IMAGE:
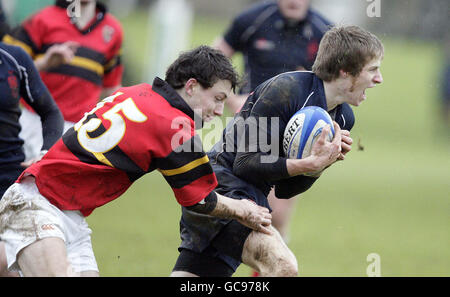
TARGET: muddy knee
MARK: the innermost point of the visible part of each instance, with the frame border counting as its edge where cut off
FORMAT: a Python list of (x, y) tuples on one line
[(280, 267), (286, 267), (269, 255)]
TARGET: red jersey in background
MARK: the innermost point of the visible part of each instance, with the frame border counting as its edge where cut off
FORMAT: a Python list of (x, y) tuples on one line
[(76, 86)]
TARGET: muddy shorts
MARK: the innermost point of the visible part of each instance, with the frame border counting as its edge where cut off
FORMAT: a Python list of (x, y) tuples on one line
[(26, 217)]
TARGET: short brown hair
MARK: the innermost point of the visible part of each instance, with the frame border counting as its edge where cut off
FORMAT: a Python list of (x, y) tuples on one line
[(347, 48), (205, 64)]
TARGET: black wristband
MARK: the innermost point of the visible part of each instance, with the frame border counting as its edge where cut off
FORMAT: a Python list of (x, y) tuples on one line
[(207, 205)]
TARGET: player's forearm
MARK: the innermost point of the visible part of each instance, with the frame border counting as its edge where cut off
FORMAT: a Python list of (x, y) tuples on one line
[(301, 166), (52, 128), (257, 167), (218, 206), (227, 208), (245, 211), (293, 186)]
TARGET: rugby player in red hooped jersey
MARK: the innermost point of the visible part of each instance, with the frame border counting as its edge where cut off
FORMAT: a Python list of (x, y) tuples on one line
[(132, 132), (76, 46)]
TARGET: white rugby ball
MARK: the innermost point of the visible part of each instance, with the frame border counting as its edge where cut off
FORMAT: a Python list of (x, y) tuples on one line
[(302, 131)]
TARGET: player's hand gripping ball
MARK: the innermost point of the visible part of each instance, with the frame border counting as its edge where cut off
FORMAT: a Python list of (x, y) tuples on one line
[(303, 130)]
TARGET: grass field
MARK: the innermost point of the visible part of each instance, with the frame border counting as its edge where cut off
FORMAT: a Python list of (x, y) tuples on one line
[(392, 198)]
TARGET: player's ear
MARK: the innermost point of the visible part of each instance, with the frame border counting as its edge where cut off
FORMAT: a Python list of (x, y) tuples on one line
[(343, 73), (190, 86)]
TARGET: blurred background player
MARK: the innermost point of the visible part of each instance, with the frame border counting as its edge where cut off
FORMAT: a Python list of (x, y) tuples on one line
[(132, 132), (77, 52), (247, 166), (20, 79), (274, 37), (445, 84), (446, 94)]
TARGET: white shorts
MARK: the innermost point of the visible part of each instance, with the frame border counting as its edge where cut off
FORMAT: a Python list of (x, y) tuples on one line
[(26, 216), (31, 133)]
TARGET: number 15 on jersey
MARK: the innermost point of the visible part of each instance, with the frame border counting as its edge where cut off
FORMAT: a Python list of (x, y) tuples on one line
[(113, 135)]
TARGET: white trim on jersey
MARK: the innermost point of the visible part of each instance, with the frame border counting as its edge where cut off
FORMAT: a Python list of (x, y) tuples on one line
[(306, 101), (343, 119)]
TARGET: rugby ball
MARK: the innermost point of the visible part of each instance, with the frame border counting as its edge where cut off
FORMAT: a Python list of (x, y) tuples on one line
[(302, 131)]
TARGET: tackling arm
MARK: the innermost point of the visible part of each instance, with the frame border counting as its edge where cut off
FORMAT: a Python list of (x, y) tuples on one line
[(245, 211)]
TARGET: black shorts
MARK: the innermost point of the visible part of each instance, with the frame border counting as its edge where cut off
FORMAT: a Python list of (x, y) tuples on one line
[(220, 238), (202, 264), (221, 258)]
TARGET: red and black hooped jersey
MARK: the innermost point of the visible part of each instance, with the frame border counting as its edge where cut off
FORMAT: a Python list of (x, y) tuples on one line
[(75, 86), (134, 131)]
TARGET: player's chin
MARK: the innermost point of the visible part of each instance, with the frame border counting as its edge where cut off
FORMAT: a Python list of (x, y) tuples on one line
[(361, 98), (356, 101)]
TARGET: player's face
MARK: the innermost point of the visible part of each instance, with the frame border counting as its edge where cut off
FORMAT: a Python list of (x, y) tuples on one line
[(211, 101), (294, 9), (369, 77)]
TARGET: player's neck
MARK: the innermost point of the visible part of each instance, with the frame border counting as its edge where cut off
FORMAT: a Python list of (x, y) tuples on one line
[(334, 93), (87, 13)]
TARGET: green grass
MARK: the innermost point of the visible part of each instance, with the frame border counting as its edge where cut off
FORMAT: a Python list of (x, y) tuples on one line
[(392, 198)]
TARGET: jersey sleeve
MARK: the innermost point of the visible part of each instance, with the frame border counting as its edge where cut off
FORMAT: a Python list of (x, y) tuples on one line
[(186, 168), (36, 94), (261, 155), (291, 187)]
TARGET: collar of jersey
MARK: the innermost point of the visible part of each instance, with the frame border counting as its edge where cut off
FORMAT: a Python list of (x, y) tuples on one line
[(170, 95)]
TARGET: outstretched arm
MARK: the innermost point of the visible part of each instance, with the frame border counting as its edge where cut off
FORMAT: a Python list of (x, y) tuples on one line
[(245, 211)]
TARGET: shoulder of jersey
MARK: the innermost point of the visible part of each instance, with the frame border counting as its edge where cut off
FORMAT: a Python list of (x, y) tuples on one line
[(157, 105)]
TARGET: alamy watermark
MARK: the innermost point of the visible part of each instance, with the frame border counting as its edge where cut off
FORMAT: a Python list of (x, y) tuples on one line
[(240, 134), (74, 9), (374, 268), (373, 9)]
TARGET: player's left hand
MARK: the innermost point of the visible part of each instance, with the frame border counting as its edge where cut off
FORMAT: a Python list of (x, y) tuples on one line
[(254, 216), (346, 144)]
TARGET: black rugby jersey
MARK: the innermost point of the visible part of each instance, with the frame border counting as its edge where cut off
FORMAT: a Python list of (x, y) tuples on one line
[(249, 159), (252, 144)]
